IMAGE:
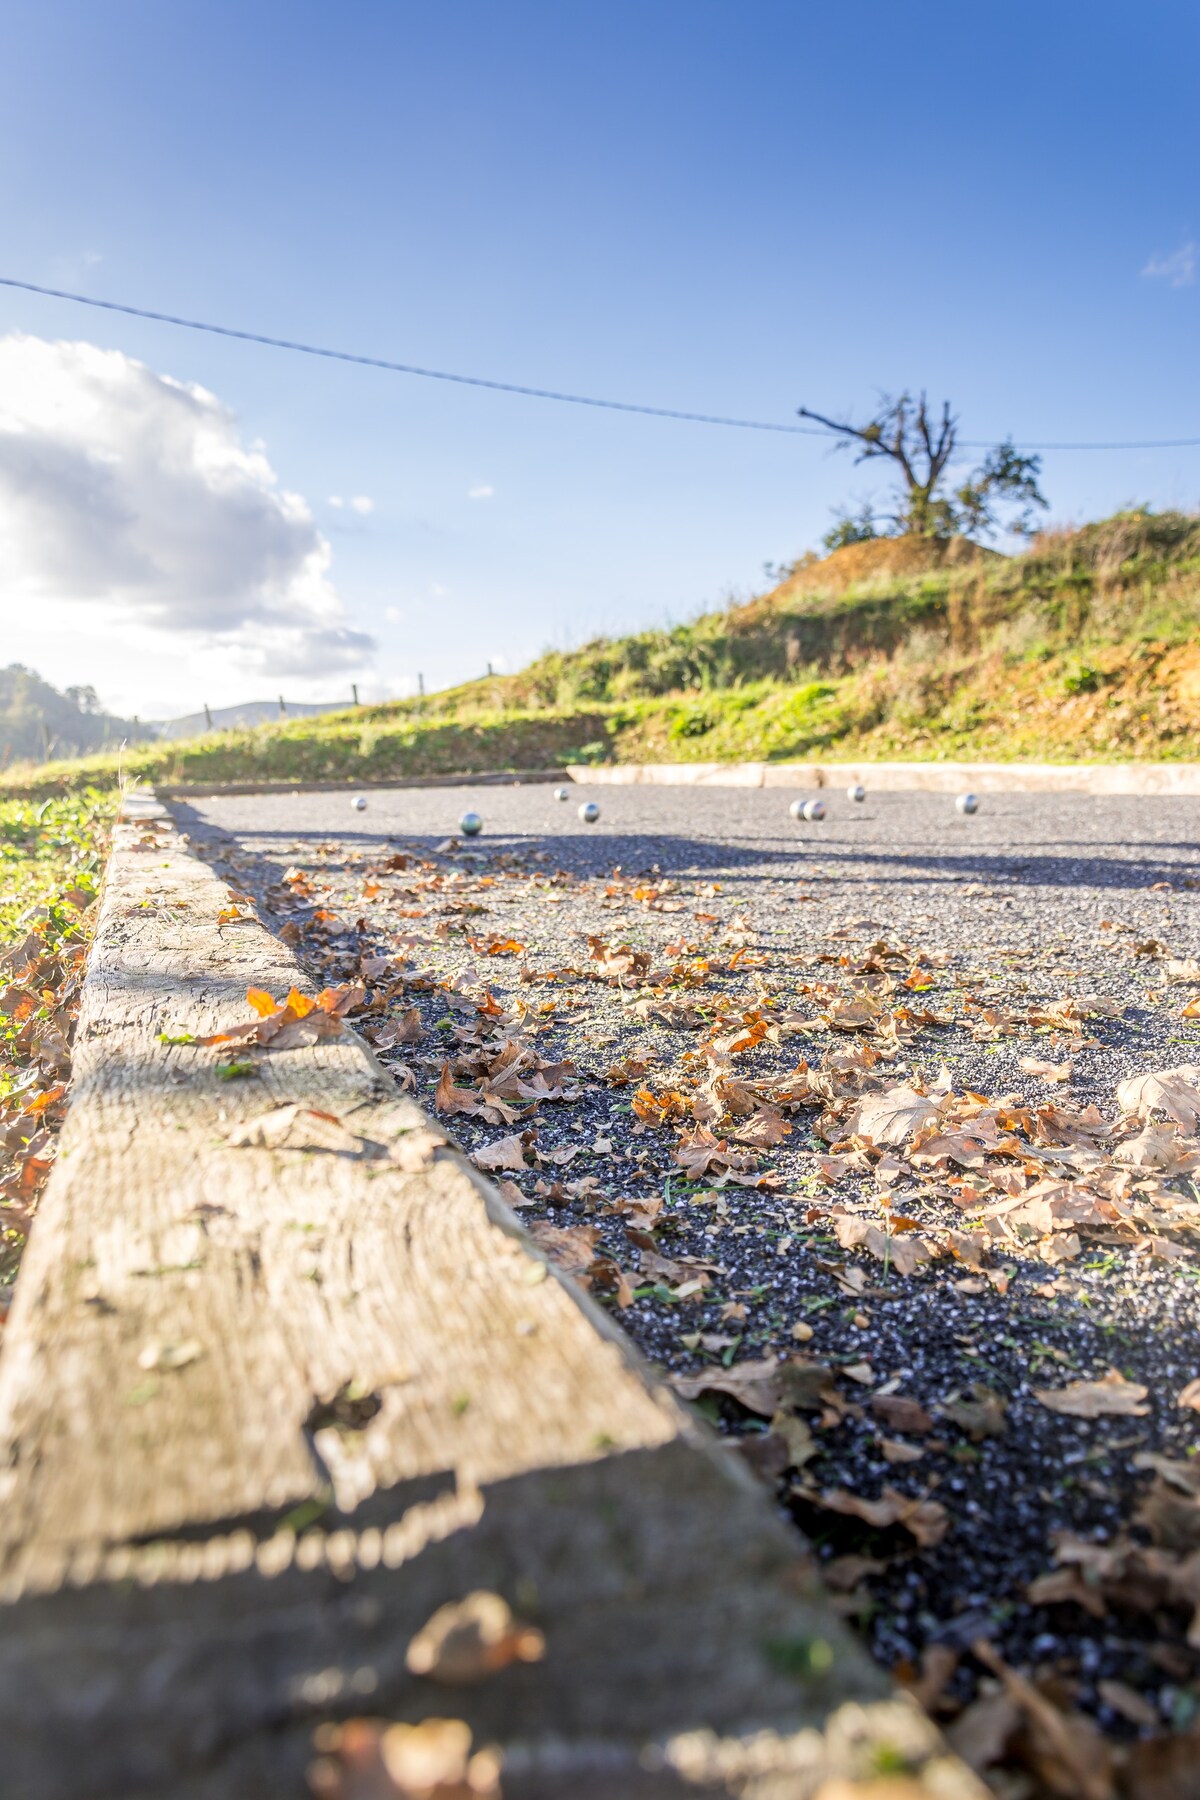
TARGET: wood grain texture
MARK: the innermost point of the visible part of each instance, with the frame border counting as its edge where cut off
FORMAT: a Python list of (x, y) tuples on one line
[(263, 1410)]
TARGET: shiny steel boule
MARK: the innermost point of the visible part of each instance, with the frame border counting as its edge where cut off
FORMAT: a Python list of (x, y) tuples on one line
[(589, 812), (966, 803), (358, 803), (856, 791), (814, 811), (796, 809), (562, 793), (470, 824)]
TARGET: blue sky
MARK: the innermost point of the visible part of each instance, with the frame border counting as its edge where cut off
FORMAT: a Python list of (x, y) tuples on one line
[(692, 203)]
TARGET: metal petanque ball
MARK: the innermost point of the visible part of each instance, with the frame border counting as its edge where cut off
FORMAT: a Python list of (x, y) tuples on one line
[(814, 811), (856, 792), (358, 803), (966, 803), (796, 809), (470, 824), (589, 812), (562, 793)]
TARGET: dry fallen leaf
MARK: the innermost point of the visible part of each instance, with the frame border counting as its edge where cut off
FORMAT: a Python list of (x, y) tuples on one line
[(1066, 1587), (698, 1153), (901, 1414), (763, 1129), (407, 1029), (981, 1733), (573, 1247), (469, 1639), (891, 1118), (939, 1663), (1112, 1396), (367, 1759), (294, 1023), (1163, 1767), (1190, 1395), (512, 1193), (449, 1098), (983, 1415), (1065, 1750), (764, 1387), (506, 1153), (798, 1440), (1157, 1147), (1175, 1092), (1129, 1704), (926, 1520), (903, 1252), (896, 1452), (1045, 1071)]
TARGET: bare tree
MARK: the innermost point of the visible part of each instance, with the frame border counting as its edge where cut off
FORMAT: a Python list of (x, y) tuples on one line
[(921, 446)]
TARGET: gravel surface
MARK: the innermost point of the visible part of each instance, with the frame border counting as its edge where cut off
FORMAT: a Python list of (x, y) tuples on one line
[(986, 919)]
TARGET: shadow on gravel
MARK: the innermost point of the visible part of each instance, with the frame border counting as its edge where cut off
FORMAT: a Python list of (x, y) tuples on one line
[(751, 860)]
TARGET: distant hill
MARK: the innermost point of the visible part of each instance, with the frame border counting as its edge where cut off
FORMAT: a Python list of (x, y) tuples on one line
[(250, 712), (1085, 646), (37, 722)]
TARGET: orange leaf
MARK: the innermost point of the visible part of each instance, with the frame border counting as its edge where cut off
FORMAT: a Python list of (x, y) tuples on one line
[(261, 1001), (42, 1101), (300, 1004), (34, 1170), (339, 1000)]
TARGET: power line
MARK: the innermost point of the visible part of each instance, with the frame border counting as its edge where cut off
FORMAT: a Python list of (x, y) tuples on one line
[(399, 368), (513, 387)]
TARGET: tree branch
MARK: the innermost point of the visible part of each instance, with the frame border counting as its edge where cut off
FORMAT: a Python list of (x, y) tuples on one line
[(869, 436)]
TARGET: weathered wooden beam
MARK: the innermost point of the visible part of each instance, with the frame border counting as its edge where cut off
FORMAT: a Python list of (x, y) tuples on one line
[(265, 1407)]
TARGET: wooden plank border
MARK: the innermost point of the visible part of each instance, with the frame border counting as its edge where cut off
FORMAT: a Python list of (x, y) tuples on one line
[(266, 1405)]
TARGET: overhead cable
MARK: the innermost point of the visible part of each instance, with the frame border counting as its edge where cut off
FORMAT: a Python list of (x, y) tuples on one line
[(513, 387)]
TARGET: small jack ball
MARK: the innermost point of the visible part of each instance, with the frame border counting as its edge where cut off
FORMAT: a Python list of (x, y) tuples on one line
[(358, 803), (815, 811), (856, 792), (589, 812), (470, 824), (966, 803), (796, 809), (562, 793)]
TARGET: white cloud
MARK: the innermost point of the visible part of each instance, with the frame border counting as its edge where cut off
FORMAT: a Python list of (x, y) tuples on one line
[(480, 493), (131, 495), (362, 503), (394, 615), (1179, 269), (336, 500)]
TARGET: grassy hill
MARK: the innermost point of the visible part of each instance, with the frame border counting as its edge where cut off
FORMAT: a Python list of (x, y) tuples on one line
[(1086, 646)]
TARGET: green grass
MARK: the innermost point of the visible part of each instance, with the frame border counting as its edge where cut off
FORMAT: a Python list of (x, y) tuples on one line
[(1087, 646), (47, 848), (51, 857)]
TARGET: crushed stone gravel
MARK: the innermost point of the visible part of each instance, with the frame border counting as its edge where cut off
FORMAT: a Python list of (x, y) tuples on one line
[(1030, 900)]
